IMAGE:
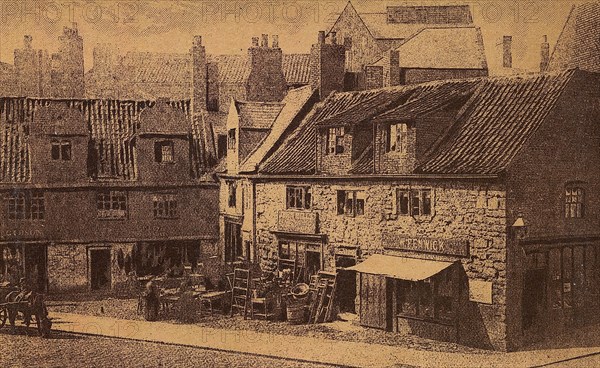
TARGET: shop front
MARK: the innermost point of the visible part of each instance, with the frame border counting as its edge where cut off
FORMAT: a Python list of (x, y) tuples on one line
[(561, 288), (24, 260), (409, 295)]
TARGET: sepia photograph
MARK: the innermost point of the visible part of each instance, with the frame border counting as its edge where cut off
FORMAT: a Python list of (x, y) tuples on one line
[(300, 183)]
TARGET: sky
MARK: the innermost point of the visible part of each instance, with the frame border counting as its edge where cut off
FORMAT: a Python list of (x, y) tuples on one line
[(228, 26)]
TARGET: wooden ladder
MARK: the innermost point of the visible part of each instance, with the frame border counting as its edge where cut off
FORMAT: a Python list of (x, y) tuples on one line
[(240, 292), (322, 304)]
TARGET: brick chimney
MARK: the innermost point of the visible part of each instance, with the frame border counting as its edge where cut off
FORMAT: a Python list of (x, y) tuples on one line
[(199, 77), (394, 68), (545, 54), (266, 81), (327, 65), (507, 51)]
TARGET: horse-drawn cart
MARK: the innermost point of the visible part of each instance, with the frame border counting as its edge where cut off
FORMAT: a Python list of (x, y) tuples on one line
[(27, 303)]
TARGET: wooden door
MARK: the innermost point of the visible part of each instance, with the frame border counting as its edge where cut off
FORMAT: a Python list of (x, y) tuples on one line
[(373, 301)]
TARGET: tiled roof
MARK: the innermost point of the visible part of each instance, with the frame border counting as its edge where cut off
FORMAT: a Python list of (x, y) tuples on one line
[(296, 68), (257, 115), (151, 67), (295, 102), (579, 43), (381, 29), (232, 68), (497, 116), (444, 48), (497, 121), (112, 125)]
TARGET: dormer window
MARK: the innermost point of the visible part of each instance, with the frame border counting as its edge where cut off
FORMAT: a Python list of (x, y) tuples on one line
[(397, 138), (61, 150), (231, 139), (335, 140), (164, 151)]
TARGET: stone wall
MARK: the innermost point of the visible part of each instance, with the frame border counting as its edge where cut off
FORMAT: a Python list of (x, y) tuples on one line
[(469, 211), (67, 268)]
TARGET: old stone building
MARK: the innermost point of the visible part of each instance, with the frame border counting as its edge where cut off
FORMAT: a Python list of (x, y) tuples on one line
[(462, 206), (92, 190), (409, 44)]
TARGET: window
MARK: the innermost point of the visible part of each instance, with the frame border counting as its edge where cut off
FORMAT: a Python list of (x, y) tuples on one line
[(397, 138), (165, 206), (574, 200), (335, 140), (26, 205), (351, 202), (233, 241), (231, 193), (231, 139), (415, 202), (164, 151), (221, 146), (111, 204), (61, 150), (298, 197)]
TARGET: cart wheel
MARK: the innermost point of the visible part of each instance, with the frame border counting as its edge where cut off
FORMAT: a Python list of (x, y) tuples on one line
[(3, 317)]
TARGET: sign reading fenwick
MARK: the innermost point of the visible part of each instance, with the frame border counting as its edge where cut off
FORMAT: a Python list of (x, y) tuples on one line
[(451, 247)]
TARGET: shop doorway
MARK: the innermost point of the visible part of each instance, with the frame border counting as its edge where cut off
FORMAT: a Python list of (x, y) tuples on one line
[(534, 296), (313, 263), (99, 268), (35, 266)]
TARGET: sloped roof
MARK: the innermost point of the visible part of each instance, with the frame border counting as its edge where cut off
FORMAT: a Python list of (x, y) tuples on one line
[(296, 68), (579, 43), (152, 67), (257, 115), (294, 103), (500, 117), (112, 125), (443, 48)]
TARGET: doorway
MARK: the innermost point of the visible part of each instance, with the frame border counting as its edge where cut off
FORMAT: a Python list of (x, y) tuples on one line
[(99, 268), (313, 263), (35, 266), (534, 296)]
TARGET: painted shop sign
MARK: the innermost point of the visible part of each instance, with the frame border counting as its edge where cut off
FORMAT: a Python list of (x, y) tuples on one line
[(480, 291), (20, 234), (297, 222), (452, 247)]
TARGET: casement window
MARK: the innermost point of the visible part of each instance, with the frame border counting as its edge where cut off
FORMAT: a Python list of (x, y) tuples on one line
[(164, 151), (351, 202), (231, 139), (335, 140), (231, 193), (298, 197), (61, 150), (397, 138), (574, 201), (26, 205), (233, 241), (111, 204), (165, 206), (413, 202)]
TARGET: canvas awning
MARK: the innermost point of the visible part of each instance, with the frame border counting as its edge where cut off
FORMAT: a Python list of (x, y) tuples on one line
[(403, 268)]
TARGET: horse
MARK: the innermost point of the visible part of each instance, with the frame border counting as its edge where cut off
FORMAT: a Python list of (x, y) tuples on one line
[(29, 304)]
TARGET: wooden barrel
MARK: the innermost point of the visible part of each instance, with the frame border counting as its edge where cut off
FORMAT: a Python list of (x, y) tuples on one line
[(296, 312)]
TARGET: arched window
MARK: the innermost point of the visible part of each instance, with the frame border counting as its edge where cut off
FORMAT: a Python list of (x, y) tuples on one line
[(574, 201)]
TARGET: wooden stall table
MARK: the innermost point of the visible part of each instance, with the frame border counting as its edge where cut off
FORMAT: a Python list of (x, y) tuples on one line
[(209, 298)]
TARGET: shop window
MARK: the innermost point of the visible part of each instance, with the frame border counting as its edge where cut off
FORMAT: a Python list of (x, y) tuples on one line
[(61, 150), (574, 201), (233, 241), (413, 202), (231, 193), (298, 197), (431, 299), (26, 205), (335, 140), (111, 204), (397, 138), (164, 151), (231, 139), (165, 206), (351, 202)]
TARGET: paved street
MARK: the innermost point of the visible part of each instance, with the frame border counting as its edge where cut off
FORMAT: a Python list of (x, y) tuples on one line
[(70, 350)]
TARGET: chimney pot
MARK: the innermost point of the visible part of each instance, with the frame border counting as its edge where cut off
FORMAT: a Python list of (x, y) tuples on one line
[(507, 51), (197, 40), (265, 40), (333, 37), (254, 41), (27, 39), (545, 54), (545, 38), (321, 38), (275, 41)]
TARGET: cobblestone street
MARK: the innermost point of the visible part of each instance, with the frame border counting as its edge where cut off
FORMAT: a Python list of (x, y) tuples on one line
[(69, 350)]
